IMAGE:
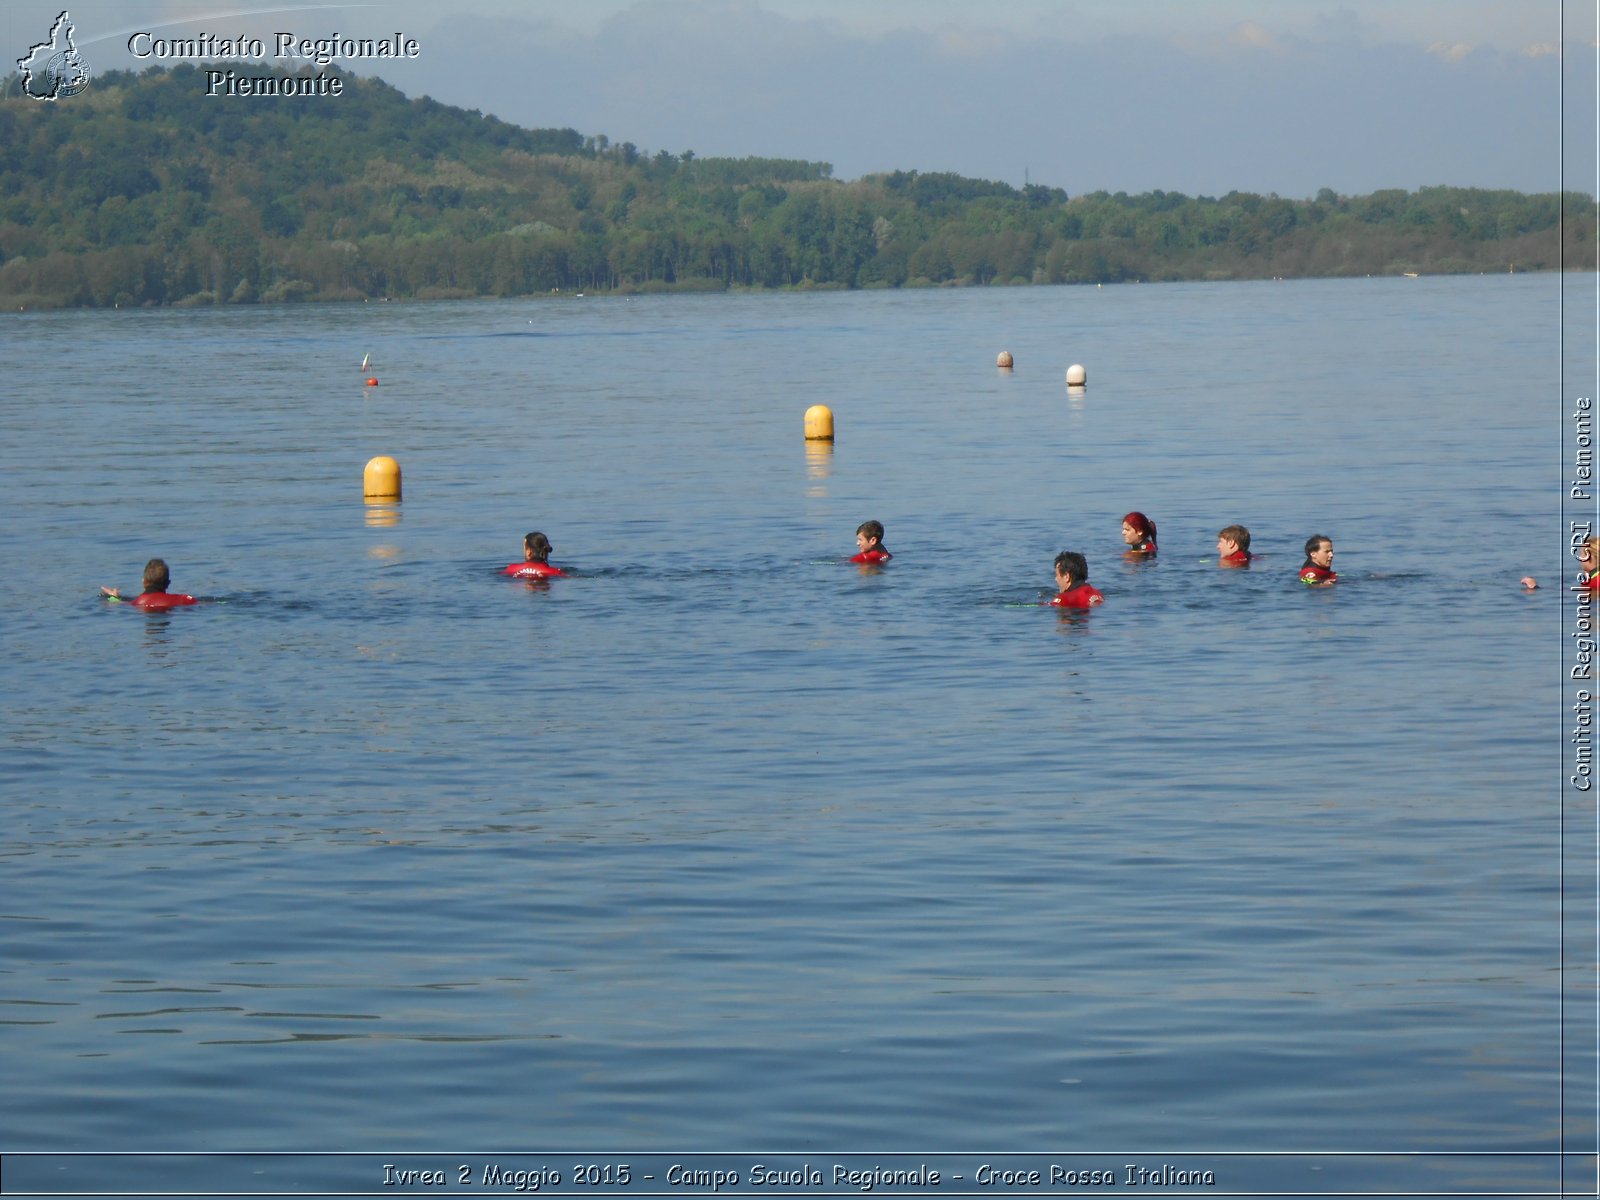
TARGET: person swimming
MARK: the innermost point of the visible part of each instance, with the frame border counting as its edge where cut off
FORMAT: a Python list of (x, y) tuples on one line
[(1233, 546), (869, 544), (535, 562), (1139, 532), (1317, 570), (1072, 578), (155, 597), (1587, 552)]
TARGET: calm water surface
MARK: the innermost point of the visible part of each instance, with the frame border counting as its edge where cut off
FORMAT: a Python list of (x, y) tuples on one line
[(725, 844)]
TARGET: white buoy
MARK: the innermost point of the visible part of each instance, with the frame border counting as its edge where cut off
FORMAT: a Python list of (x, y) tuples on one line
[(1076, 377), (366, 361)]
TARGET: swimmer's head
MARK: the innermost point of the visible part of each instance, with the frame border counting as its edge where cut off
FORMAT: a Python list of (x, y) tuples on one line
[(1071, 569), (156, 575), (1136, 528), (536, 547), (869, 534), (1319, 551), (1237, 534)]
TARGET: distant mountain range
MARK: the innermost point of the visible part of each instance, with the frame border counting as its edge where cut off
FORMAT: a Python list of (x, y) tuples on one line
[(142, 189)]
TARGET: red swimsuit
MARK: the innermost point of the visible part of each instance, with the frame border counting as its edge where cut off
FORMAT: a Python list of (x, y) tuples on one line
[(1082, 596), (157, 601)]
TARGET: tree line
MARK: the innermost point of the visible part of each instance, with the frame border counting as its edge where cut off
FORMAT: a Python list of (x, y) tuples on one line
[(140, 190)]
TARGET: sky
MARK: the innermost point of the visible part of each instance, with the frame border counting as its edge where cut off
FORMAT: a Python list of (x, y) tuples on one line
[(1201, 97)]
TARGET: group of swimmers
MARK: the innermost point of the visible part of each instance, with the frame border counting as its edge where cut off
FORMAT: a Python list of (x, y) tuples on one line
[(1071, 568), (1139, 535)]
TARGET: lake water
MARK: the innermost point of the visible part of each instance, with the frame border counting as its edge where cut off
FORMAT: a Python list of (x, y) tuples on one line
[(723, 845)]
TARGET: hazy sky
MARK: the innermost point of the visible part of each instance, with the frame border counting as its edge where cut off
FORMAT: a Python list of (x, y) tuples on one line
[(1195, 96)]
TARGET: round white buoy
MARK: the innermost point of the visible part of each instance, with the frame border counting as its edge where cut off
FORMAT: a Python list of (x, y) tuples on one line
[(1076, 376), (1003, 360)]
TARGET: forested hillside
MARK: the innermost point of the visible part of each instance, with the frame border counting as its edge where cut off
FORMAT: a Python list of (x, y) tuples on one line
[(142, 190)]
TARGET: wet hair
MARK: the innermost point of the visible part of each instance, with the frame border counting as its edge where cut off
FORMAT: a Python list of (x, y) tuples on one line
[(1237, 534), (873, 529), (1142, 525), (156, 576), (1074, 566), (537, 546), (1312, 543)]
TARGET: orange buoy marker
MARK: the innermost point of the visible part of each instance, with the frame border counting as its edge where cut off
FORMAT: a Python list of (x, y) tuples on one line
[(1076, 376), (381, 479), (819, 423), (1003, 360), (372, 381)]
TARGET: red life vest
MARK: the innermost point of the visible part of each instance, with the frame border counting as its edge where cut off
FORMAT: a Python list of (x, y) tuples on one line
[(1311, 573), (533, 570), (157, 601), (1148, 546), (872, 556), (1237, 558), (1082, 596)]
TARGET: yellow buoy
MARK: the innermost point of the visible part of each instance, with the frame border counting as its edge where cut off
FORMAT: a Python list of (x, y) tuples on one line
[(819, 423), (1076, 377), (381, 479), (1003, 359)]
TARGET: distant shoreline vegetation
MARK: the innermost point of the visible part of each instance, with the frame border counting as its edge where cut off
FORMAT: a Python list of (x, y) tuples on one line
[(143, 190)]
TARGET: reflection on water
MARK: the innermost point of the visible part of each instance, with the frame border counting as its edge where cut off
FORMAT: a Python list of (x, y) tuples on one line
[(381, 514)]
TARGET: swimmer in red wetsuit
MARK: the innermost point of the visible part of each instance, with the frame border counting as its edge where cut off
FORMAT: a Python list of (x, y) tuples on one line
[(1233, 546), (1588, 556), (1139, 532), (869, 544), (535, 562), (155, 596), (1317, 570), (1587, 552), (1072, 577)]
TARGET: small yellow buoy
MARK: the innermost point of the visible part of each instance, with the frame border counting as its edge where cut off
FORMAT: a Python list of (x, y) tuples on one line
[(1076, 377), (1003, 360), (381, 479), (819, 423)]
